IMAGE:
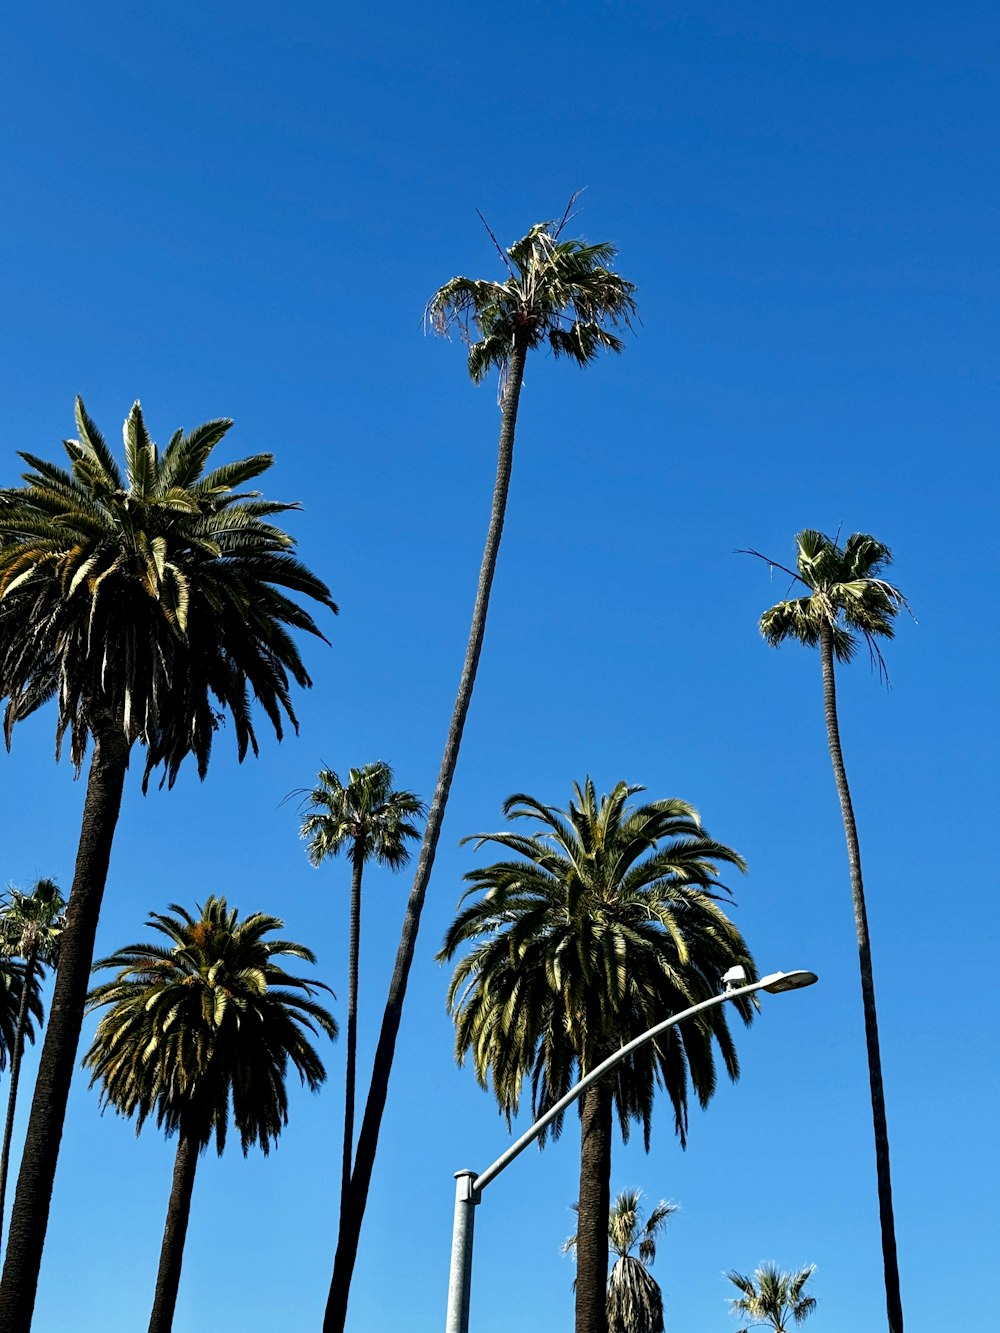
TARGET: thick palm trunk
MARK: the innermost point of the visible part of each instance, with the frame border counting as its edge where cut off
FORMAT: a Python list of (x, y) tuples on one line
[(894, 1307), (15, 1077), (353, 1206), (30, 1215), (168, 1276), (594, 1209), (357, 869)]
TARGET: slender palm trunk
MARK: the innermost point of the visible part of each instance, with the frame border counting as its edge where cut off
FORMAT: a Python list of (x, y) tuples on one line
[(594, 1209), (168, 1275), (353, 1208), (893, 1302), (33, 1196), (15, 1077), (357, 869)]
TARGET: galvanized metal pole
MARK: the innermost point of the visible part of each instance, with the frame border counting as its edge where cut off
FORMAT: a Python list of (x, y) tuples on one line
[(460, 1277)]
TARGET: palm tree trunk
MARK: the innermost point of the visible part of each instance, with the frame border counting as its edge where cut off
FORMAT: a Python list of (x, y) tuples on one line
[(33, 1196), (15, 1076), (357, 869), (594, 1210), (894, 1307), (168, 1276), (352, 1210)]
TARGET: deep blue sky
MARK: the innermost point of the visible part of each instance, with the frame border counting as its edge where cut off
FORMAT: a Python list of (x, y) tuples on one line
[(240, 210)]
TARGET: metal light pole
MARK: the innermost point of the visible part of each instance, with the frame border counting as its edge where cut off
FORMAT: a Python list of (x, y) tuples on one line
[(469, 1186)]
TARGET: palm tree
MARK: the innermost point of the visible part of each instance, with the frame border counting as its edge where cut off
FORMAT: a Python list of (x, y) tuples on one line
[(600, 923), (772, 1299), (847, 597), (556, 292), (634, 1299), (196, 1032), (147, 605), (367, 820), (31, 925)]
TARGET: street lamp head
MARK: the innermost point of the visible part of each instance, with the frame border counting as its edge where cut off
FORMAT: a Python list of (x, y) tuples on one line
[(782, 981)]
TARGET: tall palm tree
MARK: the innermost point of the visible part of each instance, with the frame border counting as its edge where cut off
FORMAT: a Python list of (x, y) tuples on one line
[(147, 604), (31, 925), (200, 1031), (772, 1299), (634, 1298), (368, 821), (601, 922), (555, 292), (847, 597)]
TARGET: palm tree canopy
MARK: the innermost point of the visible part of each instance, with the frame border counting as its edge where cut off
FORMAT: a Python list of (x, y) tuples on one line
[(635, 1302), (206, 1024), (12, 973), (559, 292), (139, 598), (32, 923), (772, 1298), (846, 593), (601, 923), (363, 813)]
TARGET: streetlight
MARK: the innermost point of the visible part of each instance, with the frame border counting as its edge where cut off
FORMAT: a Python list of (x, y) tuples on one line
[(469, 1186)]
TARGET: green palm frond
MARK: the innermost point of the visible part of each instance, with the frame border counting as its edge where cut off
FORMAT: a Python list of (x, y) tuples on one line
[(155, 602), (203, 1029), (600, 922), (846, 596), (559, 292), (772, 1299)]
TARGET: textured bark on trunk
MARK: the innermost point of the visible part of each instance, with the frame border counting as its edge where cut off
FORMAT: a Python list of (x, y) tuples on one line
[(357, 870), (168, 1275), (893, 1301), (353, 1207), (33, 1196), (15, 1078), (594, 1209)]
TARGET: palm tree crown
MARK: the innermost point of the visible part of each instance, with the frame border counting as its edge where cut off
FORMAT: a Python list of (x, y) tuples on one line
[(364, 817), (772, 1299), (139, 598), (635, 1302), (846, 593), (206, 1024), (559, 292), (601, 923), (31, 924)]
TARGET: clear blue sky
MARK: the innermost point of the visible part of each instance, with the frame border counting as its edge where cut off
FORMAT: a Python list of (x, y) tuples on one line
[(240, 210)]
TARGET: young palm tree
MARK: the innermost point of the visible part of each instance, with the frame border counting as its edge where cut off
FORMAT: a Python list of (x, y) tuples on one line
[(600, 923), (146, 604), (368, 821), (196, 1032), (31, 925), (634, 1299), (556, 292), (847, 597), (772, 1299)]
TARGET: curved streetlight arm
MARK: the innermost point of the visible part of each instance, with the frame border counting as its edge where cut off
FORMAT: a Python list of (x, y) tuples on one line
[(470, 1186)]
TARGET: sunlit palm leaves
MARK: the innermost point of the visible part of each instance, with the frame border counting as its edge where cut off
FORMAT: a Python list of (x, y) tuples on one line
[(206, 1026), (772, 1299), (603, 921), (635, 1302), (155, 598)]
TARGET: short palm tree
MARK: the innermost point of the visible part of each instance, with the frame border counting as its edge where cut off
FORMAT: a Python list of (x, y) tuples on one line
[(847, 598), (368, 821), (31, 925), (147, 604), (597, 925), (198, 1031), (772, 1299), (634, 1298), (556, 293)]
